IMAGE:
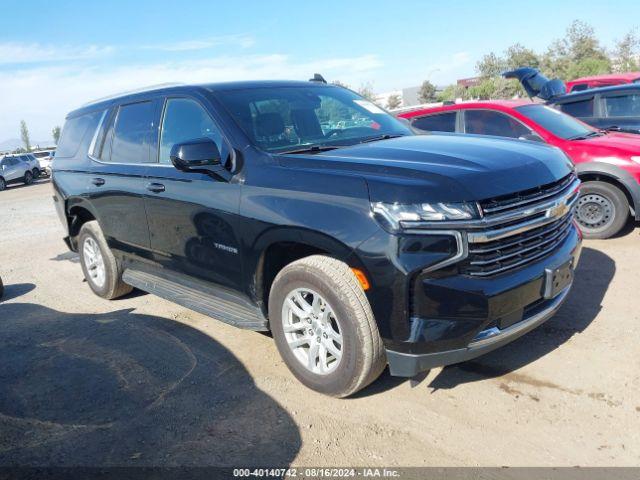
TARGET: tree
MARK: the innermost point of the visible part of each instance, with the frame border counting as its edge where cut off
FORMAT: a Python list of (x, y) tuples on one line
[(626, 54), (517, 56), (24, 134), (451, 93), (491, 65), (427, 93), (339, 84), (366, 90), (578, 53), (55, 133), (394, 101)]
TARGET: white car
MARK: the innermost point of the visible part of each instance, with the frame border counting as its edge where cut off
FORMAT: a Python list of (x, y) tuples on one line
[(14, 170), (45, 157)]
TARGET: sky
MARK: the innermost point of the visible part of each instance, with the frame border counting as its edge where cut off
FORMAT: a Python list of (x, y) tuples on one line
[(55, 56)]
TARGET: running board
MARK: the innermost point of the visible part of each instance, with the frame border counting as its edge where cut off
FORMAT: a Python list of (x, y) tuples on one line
[(216, 302)]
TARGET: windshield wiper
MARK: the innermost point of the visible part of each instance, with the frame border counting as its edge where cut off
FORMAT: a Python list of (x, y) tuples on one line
[(386, 136), (312, 149), (595, 133)]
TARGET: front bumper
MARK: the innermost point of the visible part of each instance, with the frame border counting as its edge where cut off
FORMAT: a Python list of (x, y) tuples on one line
[(457, 318), (408, 365)]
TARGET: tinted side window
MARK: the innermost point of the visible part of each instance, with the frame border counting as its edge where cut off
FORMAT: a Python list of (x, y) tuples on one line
[(623, 105), (184, 119), (442, 122), (131, 133), (582, 108), (487, 122), (74, 132)]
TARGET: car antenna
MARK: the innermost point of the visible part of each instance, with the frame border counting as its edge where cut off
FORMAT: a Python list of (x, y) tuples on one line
[(317, 78)]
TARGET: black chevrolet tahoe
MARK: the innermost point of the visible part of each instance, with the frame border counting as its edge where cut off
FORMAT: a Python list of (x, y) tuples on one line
[(303, 209)]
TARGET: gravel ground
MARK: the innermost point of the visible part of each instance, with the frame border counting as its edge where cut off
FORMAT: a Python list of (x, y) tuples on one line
[(140, 381)]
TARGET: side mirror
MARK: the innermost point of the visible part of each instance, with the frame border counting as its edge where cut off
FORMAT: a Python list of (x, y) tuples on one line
[(532, 137), (196, 155)]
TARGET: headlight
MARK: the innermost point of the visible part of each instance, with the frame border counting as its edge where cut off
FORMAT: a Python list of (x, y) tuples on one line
[(397, 216)]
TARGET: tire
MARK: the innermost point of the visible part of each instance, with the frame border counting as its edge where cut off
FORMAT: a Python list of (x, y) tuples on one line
[(3, 184), (602, 210), (36, 173), (28, 177), (1, 289), (362, 355), (110, 285)]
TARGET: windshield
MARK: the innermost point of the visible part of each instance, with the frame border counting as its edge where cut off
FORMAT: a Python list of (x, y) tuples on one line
[(281, 119), (558, 123)]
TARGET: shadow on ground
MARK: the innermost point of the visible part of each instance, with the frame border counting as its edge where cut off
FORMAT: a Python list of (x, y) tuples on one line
[(593, 276), (127, 389), (16, 290)]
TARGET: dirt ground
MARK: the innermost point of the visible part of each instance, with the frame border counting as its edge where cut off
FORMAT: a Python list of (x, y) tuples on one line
[(141, 381)]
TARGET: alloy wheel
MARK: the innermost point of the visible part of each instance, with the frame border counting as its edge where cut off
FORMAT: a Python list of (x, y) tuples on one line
[(94, 262), (312, 331)]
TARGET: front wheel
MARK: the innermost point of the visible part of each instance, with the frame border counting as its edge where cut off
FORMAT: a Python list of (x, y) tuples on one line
[(323, 326), (602, 209), (28, 178), (35, 172), (3, 184), (101, 269)]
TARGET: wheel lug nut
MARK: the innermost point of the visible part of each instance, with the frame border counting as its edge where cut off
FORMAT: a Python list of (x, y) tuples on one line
[(318, 339), (325, 335), (310, 332)]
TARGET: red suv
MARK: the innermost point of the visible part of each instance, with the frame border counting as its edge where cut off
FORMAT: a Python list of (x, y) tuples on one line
[(607, 162)]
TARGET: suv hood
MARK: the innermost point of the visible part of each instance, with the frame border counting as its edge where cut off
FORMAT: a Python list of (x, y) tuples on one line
[(444, 168), (536, 84)]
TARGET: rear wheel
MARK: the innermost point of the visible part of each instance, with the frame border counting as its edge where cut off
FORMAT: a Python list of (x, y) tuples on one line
[(602, 209), (323, 326), (28, 178), (101, 269)]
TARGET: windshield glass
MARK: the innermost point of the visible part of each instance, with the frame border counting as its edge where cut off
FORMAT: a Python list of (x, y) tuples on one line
[(280, 119), (558, 123)]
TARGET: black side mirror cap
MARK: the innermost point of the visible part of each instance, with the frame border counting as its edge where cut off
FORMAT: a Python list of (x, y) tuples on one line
[(195, 155)]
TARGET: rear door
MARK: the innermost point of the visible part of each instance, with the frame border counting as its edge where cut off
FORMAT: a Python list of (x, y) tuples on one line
[(193, 221), (121, 154)]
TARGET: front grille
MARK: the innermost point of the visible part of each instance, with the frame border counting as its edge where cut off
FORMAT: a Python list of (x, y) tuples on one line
[(522, 199), (521, 228), (501, 255)]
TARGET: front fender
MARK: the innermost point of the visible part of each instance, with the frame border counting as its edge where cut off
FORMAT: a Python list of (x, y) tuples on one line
[(617, 174)]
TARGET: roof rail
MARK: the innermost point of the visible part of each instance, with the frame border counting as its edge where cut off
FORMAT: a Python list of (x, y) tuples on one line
[(149, 88)]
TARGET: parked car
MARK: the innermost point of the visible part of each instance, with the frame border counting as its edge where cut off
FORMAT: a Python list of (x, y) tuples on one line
[(33, 163), (13, 169), (609, 108), (45, 157), (608, 163), (356, 247), (597, 81)]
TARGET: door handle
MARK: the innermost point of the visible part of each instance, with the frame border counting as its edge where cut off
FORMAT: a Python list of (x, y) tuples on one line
[(98, 182), (155, 187)]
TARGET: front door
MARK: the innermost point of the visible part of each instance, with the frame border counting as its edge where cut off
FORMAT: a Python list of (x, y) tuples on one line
[(193, 222)]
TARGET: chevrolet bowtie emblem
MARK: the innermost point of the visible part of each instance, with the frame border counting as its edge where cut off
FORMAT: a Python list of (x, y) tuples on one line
[(557, 210)]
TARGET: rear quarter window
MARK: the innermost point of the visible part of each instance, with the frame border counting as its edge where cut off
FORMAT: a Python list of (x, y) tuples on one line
[(439, 122), (581, 108), (75, 131)]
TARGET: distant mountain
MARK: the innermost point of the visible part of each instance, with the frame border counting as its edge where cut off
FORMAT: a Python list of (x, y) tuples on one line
[(13, 143)]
